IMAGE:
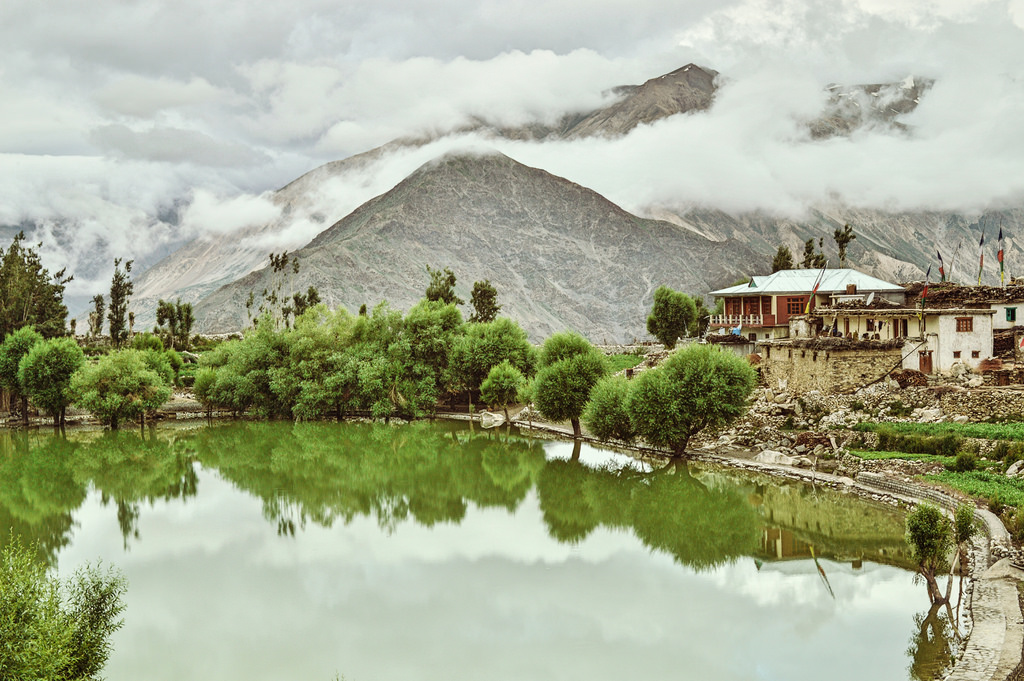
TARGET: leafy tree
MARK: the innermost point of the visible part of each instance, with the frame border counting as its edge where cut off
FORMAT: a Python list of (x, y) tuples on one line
[(46, 373), (605, 414), (484, 300), (121, 290), (15, 346), (570, 368), (930, 535), (502, 385), (174, 323), (702, 316), (814, 259), (964, 527), (442, 286), (696, 388), (783, 259), (121, 385), (148, 341), (843, 238), (672, 315), (484, 346), (29, 294), (96, 316), (54, 630)]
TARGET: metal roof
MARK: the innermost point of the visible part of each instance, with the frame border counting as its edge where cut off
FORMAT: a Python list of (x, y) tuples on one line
[(802, 281)]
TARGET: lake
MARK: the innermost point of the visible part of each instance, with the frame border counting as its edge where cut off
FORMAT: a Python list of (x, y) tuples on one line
[(279, 551)]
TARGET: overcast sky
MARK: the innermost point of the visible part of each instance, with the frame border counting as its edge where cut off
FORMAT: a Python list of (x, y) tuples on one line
[(114, 112)]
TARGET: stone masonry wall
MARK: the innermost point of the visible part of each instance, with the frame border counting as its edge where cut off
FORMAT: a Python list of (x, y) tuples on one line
[(798, 371)]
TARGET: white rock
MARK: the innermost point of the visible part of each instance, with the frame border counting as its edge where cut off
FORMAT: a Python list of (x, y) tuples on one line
[(1015, 469), (960, 418), (491, 420), (772, 456)]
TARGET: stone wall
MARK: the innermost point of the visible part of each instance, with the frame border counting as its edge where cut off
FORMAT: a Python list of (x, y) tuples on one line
[(798, 370), (984, 404)]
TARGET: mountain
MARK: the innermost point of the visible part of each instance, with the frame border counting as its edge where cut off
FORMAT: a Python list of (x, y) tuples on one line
[(560, 255)]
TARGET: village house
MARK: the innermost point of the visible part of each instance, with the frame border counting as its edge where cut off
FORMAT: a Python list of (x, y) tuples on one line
[(761, 309), (860, 328)]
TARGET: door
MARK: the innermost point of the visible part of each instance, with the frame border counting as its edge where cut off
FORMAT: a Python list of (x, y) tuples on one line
[(925, 361)]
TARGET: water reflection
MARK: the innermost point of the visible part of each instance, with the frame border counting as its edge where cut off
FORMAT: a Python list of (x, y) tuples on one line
[(429, 478)]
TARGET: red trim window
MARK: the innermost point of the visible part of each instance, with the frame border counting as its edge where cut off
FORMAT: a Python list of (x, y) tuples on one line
[(964, 324), (794, 305)]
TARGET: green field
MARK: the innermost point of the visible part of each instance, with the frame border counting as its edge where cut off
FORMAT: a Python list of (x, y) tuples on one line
[(626, 361), (984, 484), (986, 431)]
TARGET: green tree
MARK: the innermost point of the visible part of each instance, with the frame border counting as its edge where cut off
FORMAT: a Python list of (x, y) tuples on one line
[(671, 316), (15, 346), (930, 535), (46, 373), (570, 368), (698, 387), (442, 286), (121, 289), (843, 237), (605, 415), (484, 300), (783, 259), (502, 385), (174, 323), (964, 527), (29, 294), (54, 630), (485, 345), (99, 306), (121, 385), (814, 259)]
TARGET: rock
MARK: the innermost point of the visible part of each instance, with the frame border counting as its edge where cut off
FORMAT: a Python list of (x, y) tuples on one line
[(1015, 469), (800, 449), (975, 382), (819, 450), (797, 409), (772, 456), (491, 420), (781, 398), (960, 418), (929, 414), (959, 369), (802, 462)]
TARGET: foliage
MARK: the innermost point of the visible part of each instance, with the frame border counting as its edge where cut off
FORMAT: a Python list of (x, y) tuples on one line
[(442, 287), (617, 363), (46, 371), (484, 300), (99, 306), (122, 385), (571, 367), (148, 341), (605, 415), (29, 295), (964, 461), (984, 485), (940, 445), (843, 237), (873, 455), (812, 259), (502, 386), (121, 290), (55, 631), (15, 346), (485, 345), (783, 259), (698, 387), (930, 536), (671, 316), (174, 323), (964, 524), (988, 431)]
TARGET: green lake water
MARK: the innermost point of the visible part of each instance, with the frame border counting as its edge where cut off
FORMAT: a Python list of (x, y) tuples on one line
[(298, 552)]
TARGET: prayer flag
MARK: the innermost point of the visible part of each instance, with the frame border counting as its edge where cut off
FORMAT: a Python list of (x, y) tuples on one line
[(924, 291), (942, 270), (817, 283), (981, 256), (999, 257)]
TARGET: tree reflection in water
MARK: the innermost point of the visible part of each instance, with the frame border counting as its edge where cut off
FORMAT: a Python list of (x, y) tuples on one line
[(934, 644)]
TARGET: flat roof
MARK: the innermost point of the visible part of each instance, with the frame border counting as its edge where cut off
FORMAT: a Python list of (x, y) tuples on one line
[(802, 281)]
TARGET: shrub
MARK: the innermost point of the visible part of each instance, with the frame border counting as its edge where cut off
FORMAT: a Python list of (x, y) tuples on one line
[(46, 373), (939, 445), (50, 630), (605, 414), (122, 385), (964, 461), (147, 341)]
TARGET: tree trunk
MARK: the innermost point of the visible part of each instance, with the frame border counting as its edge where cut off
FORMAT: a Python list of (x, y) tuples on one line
[(508, 421), (577, 433), (113, 422), (24, 409)]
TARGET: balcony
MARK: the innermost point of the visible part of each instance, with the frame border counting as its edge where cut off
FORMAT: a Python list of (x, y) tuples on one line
[(745, 320)]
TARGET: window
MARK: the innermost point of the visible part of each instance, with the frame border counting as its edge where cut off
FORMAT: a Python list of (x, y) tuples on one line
[(870, 324), (964, 324), (1011, 314), (956, 354), (975, 354), (794, 305), (752, 336)]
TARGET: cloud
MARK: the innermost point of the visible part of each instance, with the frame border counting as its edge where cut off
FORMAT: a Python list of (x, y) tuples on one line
[(142, 97), (209, 214), (174, 145)]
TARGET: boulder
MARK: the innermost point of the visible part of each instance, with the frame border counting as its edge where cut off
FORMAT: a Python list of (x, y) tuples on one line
[(1015, 469), (929, 414), (772, 456), (802, 462), (491, 420)]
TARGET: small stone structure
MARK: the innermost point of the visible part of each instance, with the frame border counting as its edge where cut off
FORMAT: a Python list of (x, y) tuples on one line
[(802, 367)]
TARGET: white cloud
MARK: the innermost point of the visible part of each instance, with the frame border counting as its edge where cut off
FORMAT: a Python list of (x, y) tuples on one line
[(209, 214)]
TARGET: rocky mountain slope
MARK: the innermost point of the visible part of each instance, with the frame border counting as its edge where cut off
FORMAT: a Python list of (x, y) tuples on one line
[(560, 255)]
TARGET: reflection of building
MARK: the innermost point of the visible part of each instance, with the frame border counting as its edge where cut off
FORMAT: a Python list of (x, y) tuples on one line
[(783, 544)]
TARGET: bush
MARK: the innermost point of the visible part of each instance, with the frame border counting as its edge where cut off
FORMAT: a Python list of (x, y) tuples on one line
[(605, 414), (939, 445), (46, 373), (1013, 520), (50, 630), (122, 385), (147, 341), (964, 461)]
